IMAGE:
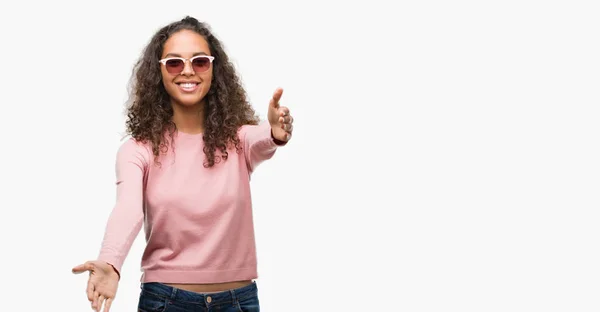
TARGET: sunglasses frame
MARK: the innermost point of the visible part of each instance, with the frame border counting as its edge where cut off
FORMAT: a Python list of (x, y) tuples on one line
[(185, 60)]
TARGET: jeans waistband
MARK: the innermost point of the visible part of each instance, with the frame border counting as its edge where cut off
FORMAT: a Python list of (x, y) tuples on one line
[(181, 295)]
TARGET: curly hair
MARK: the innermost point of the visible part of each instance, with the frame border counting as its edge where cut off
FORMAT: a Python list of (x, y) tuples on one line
[(149, 113)]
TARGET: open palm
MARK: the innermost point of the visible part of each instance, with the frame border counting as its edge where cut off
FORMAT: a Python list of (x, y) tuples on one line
[(102, 284), (280, 118)]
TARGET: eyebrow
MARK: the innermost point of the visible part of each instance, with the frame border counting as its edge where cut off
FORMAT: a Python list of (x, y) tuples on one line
[(178, 55)]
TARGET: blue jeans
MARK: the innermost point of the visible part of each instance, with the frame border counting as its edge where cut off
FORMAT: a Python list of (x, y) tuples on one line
[(158, 297)]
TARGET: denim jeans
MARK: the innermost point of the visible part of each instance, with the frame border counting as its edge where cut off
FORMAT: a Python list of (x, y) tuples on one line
[(158, 297)]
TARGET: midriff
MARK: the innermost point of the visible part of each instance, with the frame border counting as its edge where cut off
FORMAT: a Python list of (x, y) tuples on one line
[(217, 287)]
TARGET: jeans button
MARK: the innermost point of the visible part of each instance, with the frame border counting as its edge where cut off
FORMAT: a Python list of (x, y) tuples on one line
[(208, 299)]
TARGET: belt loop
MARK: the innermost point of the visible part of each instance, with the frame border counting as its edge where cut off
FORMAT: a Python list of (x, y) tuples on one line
[(173, 293), (233, 297)]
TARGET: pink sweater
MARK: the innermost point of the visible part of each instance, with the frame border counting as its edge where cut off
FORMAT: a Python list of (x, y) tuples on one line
[(197, 221)]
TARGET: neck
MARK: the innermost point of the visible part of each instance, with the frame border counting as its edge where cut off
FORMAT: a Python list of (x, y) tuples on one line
[(189, 119)]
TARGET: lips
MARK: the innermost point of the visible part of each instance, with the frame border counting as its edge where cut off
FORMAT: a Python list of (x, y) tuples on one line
[(188, 86)]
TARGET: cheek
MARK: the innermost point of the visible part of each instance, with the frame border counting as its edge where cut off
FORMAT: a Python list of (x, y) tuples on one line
[(207, 79), (167, 84), (165, 79), (207, 85)]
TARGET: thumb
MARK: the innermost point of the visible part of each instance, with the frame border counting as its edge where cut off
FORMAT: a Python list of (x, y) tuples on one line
[(276, 97), (82, 268)]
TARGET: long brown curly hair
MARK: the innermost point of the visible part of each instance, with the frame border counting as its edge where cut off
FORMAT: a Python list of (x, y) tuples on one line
[(149, 113)]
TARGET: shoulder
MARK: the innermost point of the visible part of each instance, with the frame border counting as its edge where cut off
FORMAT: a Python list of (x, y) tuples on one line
[(134, 150)]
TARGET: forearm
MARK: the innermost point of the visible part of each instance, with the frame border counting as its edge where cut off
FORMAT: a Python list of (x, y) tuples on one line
[(126, 218), (259, 143)]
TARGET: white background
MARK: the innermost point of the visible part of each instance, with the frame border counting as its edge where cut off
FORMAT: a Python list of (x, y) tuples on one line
[(445, 154)]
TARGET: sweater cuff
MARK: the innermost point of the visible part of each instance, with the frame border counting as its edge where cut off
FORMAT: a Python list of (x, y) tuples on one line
[(277, 142), (114, 261)]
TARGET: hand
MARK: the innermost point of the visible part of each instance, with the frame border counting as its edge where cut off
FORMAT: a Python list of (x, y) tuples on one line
[(102, 284), (280, 118)]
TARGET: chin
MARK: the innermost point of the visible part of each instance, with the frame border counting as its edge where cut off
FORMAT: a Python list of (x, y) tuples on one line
[(189, 99), (189, 102)]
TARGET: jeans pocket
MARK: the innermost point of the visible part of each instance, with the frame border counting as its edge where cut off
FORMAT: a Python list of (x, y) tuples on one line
[(150, 302), (248, 304)]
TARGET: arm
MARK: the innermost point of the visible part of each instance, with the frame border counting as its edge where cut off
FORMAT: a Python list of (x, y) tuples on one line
[(258, 143), (261, 141), (126, 218)]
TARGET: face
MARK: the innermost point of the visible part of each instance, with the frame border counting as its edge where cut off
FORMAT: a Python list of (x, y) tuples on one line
[(187, 85)]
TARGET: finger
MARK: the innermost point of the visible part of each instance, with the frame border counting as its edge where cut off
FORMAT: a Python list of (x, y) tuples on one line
[(95, 301), (286, 119), (107, 304), (100, 302), (287, 127), (82, 268), (284, 111), (90, 291), (276, 97)]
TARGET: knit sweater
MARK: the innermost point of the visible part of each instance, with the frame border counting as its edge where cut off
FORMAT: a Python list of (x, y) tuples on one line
[(197, 221)]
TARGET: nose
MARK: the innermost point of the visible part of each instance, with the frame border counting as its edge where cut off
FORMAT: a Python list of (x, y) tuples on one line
[(187, 68)]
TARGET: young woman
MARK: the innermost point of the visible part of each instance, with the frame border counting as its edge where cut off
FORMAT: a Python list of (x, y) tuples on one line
[(184, 175)]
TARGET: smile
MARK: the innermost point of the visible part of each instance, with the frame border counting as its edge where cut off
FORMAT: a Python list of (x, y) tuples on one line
[(188, 86)]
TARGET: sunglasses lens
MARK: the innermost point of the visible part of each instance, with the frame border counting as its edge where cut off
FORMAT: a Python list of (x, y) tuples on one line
[(174, 66), (201, 64)]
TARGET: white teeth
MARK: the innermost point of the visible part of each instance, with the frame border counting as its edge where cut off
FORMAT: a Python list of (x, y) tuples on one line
[(189, 85)]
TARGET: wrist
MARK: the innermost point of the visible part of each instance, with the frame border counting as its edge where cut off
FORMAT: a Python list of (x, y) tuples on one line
[(277, 141), (115, 271)]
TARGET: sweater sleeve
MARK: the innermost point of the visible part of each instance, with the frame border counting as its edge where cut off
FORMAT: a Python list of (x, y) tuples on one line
[(126, 218), (258, 143)]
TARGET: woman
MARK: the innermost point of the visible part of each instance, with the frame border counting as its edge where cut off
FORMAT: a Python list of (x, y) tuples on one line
[(184, 174)]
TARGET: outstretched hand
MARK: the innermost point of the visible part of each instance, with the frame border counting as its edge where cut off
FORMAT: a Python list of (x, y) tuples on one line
[(102, 284), (280, 118)]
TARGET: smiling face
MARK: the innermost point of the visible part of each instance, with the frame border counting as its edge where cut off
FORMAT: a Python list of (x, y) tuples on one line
[(188, 86)]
